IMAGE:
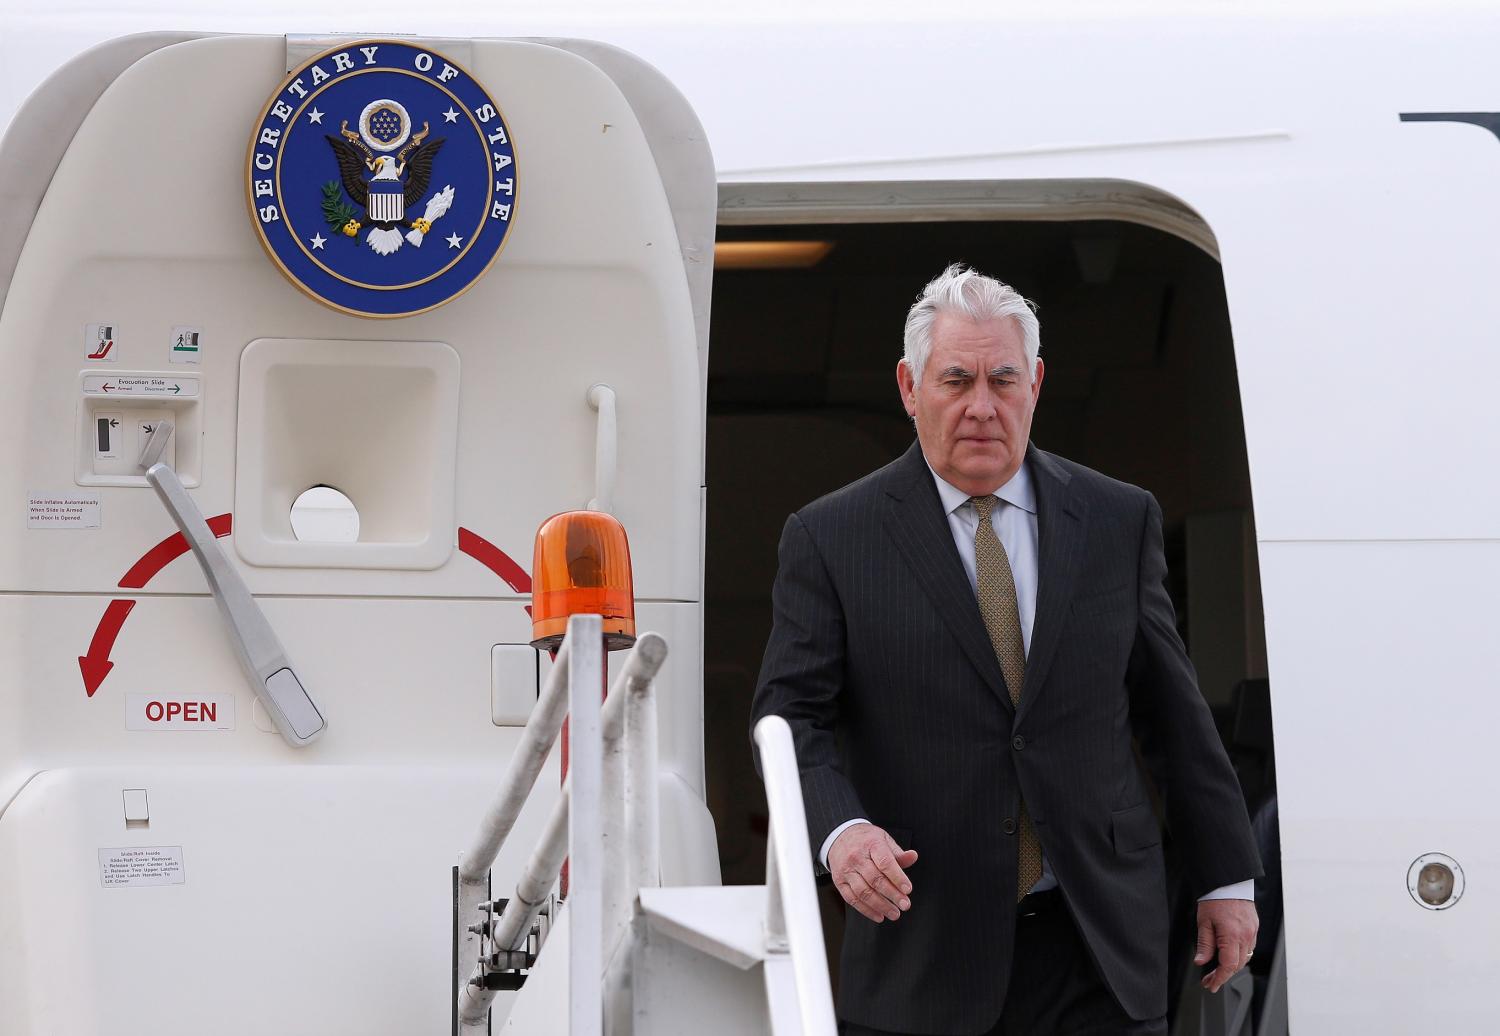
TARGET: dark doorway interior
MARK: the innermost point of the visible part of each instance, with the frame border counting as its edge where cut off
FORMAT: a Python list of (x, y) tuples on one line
[(1140, 384)]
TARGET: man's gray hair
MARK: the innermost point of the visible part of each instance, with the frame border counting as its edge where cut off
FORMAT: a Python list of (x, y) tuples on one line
[(968, 293)]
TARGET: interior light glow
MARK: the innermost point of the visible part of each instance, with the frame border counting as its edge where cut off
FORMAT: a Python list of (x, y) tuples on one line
[(769, 255)]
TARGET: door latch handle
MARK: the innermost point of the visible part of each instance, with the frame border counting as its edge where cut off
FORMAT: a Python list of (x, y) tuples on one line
[(296, 715)]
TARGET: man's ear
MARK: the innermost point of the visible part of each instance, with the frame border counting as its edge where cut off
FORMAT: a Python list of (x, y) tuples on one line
[(908, 387)]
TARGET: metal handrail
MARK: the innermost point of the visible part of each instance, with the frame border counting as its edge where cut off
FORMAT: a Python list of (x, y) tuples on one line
[(606, 447), (630, 795), (792, 923), (624, 795), (537, 738)]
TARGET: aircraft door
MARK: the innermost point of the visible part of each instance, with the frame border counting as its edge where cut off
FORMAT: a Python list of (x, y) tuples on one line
[(263, 267)]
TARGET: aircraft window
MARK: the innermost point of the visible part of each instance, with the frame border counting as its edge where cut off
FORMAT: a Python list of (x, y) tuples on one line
[(324, 515)]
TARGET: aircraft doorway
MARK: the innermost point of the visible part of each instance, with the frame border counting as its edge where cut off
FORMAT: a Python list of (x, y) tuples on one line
[(1140, 384)]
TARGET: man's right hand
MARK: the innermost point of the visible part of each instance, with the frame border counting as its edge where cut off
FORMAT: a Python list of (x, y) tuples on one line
[(868, 868)]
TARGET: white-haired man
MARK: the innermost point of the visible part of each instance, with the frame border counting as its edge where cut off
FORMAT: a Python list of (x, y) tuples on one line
[(965, 643)]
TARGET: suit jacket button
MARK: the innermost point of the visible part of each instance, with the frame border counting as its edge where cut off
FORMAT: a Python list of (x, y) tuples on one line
[(1009, 827), (1018, 742)]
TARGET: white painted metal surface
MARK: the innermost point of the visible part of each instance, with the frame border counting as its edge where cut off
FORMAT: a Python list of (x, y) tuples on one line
[(540, 1007), (674, 989)]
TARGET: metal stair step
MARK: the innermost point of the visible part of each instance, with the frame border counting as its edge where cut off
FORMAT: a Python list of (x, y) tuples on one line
[(726, 921)]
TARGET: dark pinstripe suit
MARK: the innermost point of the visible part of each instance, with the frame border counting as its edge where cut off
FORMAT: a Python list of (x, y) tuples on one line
[(879, 660)]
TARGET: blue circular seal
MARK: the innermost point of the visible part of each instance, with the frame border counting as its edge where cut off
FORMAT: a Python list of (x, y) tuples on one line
[(382, 179)]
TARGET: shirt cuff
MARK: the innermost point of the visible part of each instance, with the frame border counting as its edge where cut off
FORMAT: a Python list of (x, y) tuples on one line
[(1240, 890), (833, 836)]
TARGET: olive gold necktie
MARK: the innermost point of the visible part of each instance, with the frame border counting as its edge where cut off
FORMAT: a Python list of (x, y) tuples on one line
[(1002, 618)]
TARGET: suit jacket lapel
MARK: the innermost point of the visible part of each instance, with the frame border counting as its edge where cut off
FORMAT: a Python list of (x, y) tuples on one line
[(916, 522), (1061, 517)]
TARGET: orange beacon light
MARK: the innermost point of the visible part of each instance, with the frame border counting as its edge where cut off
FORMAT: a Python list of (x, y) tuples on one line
[(582, 567)]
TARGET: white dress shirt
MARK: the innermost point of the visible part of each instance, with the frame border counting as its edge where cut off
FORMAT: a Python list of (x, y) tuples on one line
[(1014, 521)]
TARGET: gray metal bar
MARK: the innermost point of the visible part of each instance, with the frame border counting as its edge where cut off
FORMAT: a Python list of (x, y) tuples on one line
[(255, 643)]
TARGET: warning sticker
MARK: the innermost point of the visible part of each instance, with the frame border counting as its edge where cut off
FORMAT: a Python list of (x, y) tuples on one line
[(141, 866), (186, 342), (160, 712), (62, 511), (99, 343)]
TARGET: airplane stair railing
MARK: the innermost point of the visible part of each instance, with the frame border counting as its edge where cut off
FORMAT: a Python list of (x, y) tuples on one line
[(797, 986), (605, 823), (620, 954), (739, 960)]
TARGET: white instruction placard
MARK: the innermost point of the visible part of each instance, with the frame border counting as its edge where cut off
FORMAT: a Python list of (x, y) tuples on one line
[(141, 866), (62, 511), (170, 386)]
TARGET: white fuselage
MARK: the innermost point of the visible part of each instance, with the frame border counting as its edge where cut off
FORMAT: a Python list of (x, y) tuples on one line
[(1359, 253)]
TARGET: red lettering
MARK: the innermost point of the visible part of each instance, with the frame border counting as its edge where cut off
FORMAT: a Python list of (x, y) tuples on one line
[(184, 711)]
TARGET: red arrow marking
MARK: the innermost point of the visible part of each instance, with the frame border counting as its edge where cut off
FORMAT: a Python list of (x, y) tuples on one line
[(107, 387), (167, 551), (494, 559), (95, 665)]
